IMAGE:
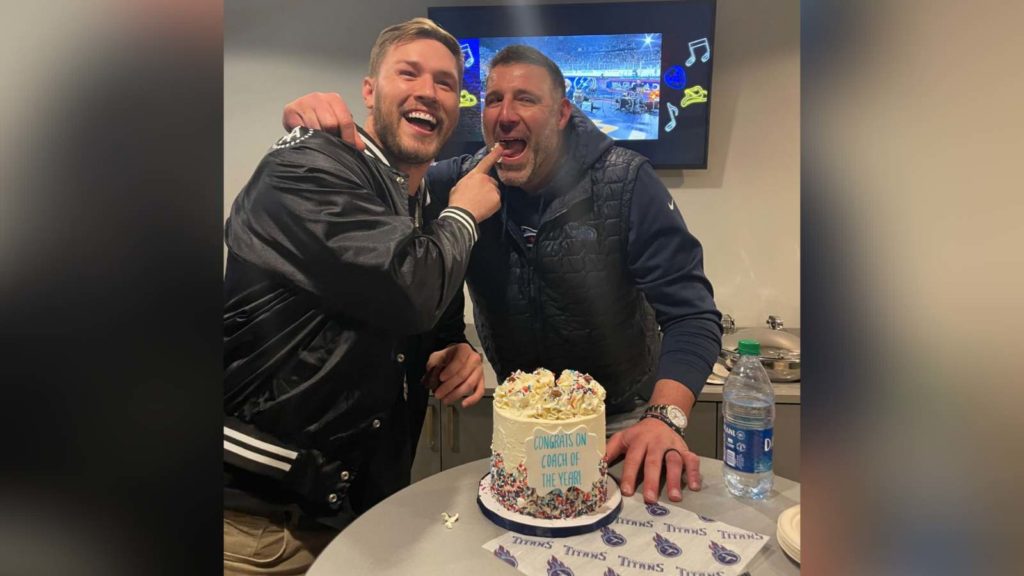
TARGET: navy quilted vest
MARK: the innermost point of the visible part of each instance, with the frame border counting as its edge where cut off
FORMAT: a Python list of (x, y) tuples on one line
[(571, 302)]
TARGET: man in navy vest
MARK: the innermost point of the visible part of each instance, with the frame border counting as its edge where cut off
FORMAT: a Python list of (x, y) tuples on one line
[(588, 262)]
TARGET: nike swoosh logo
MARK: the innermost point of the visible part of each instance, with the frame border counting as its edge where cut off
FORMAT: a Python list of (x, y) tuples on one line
[(672, 204)]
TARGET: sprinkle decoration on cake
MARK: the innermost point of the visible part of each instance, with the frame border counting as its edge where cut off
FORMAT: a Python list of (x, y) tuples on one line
[(548, 445)]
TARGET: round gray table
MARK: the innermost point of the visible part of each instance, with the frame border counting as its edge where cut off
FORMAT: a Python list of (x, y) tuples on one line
[(405, 534)]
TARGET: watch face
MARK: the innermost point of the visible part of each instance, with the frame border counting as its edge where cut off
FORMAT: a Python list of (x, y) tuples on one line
[(671, 415), (677, 416)]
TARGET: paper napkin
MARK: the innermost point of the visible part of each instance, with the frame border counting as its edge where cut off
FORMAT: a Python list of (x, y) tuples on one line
[(644, 539)]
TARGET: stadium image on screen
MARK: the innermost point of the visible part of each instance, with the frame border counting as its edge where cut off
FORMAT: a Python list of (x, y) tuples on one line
[(614, 79)]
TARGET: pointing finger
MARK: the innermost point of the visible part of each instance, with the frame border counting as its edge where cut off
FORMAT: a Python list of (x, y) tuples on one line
[(488, 161)]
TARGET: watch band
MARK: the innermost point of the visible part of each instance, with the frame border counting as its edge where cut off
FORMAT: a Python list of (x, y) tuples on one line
[(665, 419), (674, 413)]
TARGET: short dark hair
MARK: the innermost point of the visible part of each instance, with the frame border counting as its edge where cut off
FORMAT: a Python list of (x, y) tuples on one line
[(522, 54)]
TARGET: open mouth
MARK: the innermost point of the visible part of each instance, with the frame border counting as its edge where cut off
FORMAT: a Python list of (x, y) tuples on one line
[(512, 148), (423, 121)]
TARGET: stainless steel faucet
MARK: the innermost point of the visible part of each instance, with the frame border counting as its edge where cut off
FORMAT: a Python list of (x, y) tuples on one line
[(728, 324)]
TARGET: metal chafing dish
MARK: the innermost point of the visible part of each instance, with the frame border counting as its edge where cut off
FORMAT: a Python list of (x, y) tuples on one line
[(780, 349)]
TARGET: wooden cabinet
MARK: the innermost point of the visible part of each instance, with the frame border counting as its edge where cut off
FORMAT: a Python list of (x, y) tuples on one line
[(701, 432), (451, 436), (466, 433), (787, 441), (427, 460)]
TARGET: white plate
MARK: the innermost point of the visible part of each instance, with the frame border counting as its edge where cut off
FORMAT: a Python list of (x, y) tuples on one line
[(789, 532), (720, 370)]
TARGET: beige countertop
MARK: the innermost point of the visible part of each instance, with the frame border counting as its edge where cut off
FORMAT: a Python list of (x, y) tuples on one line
[(784, 393), (788, 393)]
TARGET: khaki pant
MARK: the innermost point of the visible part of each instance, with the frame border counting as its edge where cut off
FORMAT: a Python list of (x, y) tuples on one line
[(258, 545)]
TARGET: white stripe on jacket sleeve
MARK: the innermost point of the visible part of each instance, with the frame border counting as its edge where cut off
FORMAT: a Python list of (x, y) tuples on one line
[(462, 218), (259, 458), (244, 439)]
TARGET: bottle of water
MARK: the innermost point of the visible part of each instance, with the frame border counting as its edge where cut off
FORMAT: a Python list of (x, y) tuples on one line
[(749, 412)]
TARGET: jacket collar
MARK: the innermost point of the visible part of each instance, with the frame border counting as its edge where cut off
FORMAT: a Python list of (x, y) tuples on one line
[(373, 148), (377, 152)]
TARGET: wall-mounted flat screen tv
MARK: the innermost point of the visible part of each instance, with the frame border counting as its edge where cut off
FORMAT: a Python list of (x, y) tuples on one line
[(640, 70)]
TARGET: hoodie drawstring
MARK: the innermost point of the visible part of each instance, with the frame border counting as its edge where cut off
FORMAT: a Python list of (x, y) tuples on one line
[(504, 217)]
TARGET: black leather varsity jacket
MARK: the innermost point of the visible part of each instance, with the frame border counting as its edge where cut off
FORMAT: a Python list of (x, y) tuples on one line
[(331, 273)]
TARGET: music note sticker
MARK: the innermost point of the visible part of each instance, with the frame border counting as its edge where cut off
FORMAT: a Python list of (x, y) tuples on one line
[(703, 42), (672, 111), (675, 77), (467, 55)]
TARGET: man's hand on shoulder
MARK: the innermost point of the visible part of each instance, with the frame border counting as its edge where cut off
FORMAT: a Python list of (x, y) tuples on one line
[(324, 111)]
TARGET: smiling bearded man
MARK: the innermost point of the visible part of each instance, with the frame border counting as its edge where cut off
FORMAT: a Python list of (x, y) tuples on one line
[(413, 109), (343, 288)]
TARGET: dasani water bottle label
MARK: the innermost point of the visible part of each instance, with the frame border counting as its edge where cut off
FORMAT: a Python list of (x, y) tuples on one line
[(748, 450)]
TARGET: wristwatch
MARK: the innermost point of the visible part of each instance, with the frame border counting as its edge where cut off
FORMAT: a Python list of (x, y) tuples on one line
[(669, 414)]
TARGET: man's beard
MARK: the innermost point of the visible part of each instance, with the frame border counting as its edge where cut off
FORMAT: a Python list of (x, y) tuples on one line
[(519, 176), (386, 126)]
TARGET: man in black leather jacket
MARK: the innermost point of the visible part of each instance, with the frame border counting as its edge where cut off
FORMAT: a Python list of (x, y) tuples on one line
[(343, 289), (590, 259)]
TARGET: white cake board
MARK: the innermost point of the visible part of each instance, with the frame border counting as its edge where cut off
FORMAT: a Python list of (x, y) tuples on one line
[(545, 528)]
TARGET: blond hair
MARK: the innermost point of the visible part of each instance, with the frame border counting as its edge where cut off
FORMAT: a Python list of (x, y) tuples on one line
[(415, 29)]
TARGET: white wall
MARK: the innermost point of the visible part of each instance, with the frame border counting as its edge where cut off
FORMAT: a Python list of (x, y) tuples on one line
[(745, 207)]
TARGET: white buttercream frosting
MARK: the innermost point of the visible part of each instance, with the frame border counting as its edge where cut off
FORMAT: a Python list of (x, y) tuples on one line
[(539, 395)]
